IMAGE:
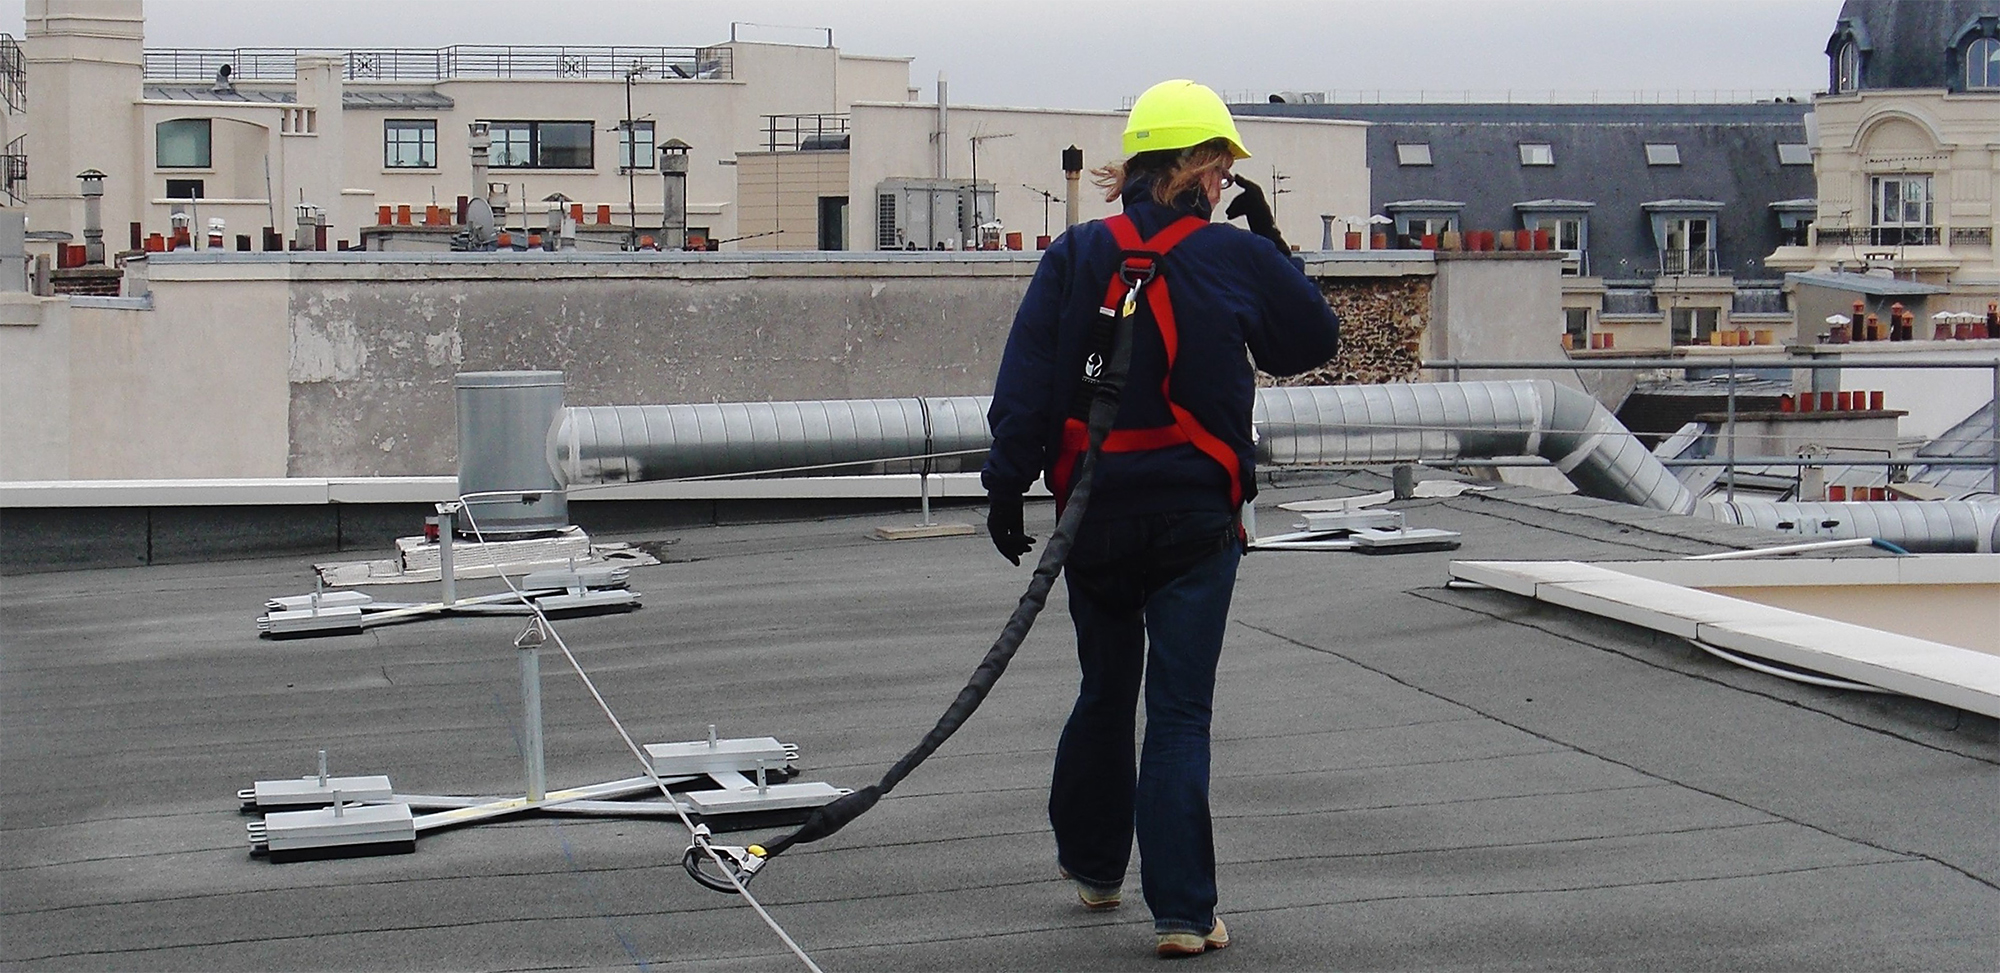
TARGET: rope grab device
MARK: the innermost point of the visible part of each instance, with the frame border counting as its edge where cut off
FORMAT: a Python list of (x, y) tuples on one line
[(1103, 378)]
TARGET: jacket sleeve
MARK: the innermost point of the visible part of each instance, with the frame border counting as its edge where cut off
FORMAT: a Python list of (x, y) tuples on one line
[(1021, 415), (1299, 332)]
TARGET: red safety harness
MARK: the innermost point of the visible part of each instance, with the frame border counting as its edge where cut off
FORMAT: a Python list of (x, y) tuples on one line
[(1139, 271)]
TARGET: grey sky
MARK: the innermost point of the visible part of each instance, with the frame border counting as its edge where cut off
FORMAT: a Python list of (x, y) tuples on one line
[(1095, 53)]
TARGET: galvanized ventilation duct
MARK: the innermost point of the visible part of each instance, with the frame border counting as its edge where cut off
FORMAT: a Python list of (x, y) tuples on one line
[(1344, 424), (1933, 526), (1325, 424), (1358, 424), (613, 443)]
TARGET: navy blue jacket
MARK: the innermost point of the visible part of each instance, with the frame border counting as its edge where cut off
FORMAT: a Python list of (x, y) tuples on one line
[(1231, 290)]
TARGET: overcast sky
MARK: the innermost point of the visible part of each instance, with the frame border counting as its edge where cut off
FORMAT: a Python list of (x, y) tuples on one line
[(1097, 53)]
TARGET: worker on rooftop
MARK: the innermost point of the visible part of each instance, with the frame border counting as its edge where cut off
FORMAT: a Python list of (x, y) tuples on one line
[(1158, 545)]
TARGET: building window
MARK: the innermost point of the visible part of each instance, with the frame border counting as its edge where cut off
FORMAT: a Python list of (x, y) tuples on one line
[(1413, 153), (410, 144), (1663, 154), (1418, 227), (542, 145), (1576, 324), (635, 145), (1795, 229), (1899, 211), (1982, 63), (1537, 154), (1566, 233), (1689, 247), (1847, 68), (185, 189), (1692, 325), (833, 222), (1794, 154), (183, 143)]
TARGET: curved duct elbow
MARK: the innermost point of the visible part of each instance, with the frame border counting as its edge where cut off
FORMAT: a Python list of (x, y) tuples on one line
[(1443, 421), (1927, 527)]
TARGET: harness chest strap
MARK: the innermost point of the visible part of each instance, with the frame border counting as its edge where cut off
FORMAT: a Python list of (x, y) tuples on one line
[(1139, 272)]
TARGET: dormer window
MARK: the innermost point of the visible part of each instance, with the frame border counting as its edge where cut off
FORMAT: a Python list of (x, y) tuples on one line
[(1847, 68), (1982, 64)]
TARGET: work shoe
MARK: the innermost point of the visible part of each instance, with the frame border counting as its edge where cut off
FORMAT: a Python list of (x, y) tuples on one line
[(1093, 898), (1175, 944)]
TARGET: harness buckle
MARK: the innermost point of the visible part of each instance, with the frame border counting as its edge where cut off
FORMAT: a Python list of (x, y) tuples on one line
[(1137, 267)]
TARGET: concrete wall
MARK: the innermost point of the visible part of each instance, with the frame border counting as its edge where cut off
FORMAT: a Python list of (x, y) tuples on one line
[(1326, 162), (34, 387), (1497, 305), (341, 364)]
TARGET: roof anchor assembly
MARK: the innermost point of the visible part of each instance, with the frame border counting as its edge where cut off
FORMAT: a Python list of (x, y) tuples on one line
[(723, 784), (571, 590)]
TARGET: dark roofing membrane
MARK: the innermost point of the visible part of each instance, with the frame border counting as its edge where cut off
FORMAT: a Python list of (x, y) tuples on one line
[(1729, 155), (1406, 776)]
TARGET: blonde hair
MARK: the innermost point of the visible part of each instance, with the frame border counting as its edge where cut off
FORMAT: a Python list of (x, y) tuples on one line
[(1173, 172)]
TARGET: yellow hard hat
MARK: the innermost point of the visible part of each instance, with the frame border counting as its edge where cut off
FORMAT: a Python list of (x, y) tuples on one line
[(1179, 114)]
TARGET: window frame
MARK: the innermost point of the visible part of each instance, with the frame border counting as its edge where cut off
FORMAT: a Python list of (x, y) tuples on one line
[(1663, 153), (1899, 228), (1847, 67), (1702, 321), (628, 144), (1537, 153), (1414, 149), (1680, 259), (1991, 80), (206, 142), (521, 143), (426, 131)]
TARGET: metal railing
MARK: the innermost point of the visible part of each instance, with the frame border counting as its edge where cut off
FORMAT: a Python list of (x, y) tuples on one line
[(815, 131), (610, 63), (1698, 263), (13, 74), (14, 170), (1455, 367), (1526, 96)]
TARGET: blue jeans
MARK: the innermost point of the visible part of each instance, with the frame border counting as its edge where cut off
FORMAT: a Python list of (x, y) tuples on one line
[(1150, 598)]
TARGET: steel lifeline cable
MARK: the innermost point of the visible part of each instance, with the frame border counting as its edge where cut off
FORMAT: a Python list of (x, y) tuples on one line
[(1103, 379)]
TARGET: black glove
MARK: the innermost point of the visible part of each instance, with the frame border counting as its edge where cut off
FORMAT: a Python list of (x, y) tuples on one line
[(1003, 521), (1255, 211)]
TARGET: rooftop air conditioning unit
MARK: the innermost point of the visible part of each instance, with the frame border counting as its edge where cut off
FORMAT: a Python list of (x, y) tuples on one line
[(928, 214)]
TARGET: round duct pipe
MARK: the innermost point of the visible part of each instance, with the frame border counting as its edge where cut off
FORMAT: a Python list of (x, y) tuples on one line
[(506, 421), (835, 437), (1350, 424), (1922, 527)]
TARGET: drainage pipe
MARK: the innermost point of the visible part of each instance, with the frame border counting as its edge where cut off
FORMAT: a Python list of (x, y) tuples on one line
[(1340, 424)]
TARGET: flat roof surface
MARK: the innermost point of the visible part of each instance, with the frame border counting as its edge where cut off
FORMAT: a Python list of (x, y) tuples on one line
[(1406, 776)]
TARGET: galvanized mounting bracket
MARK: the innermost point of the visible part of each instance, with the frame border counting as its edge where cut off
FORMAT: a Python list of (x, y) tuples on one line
[(557, 591), (1365, 531)]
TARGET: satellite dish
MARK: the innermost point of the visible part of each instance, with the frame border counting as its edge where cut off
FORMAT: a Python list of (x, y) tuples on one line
[(479, 232)]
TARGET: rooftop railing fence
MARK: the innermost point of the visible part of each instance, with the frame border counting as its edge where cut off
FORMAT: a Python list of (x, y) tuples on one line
[(598, 62)]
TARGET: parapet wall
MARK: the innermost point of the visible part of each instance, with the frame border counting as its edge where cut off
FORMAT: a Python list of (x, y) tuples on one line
[(353, 376)]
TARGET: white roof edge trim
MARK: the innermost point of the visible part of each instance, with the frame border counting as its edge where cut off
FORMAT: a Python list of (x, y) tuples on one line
[(1916, 667)]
